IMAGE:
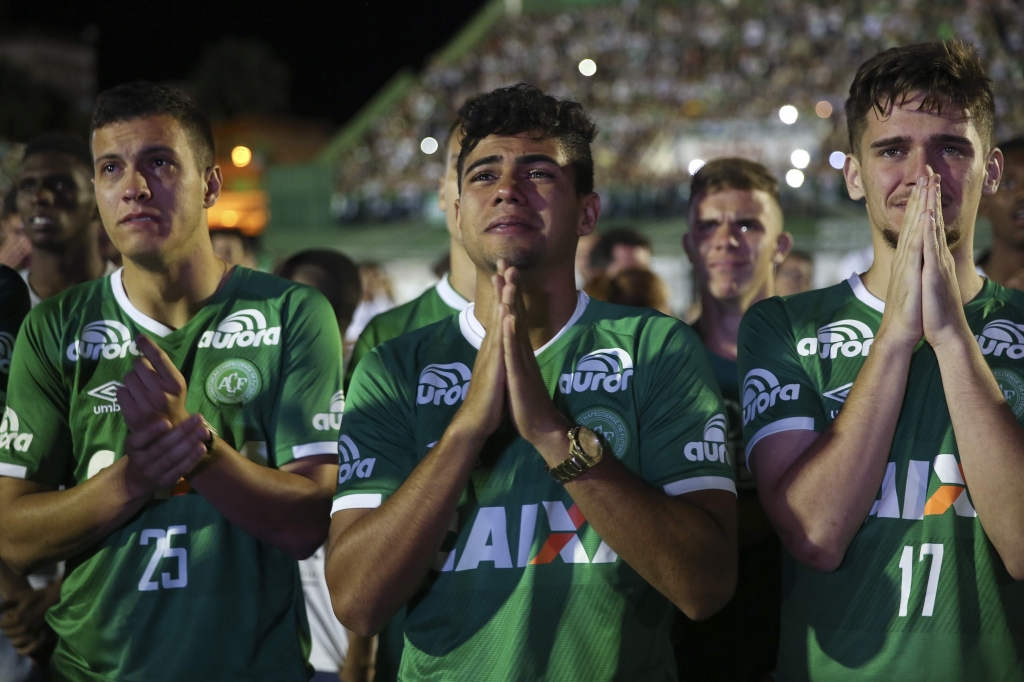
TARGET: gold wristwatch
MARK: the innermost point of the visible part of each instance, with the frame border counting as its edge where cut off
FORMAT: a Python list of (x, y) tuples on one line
[(580, 458)]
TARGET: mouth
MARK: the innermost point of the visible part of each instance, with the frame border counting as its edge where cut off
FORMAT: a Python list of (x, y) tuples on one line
[(511, 225), (41, 222), (139, 219)]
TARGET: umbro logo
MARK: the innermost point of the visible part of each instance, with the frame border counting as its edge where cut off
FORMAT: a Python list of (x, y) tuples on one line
[(849, 337), (242, 328), (839, 394), (108, 393)]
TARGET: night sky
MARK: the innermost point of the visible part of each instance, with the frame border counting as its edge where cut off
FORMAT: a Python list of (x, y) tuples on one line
[(339, 53)]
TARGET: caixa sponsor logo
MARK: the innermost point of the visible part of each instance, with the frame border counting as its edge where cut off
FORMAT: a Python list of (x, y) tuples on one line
[(9, 433), (712, 448), (608, 369), (849, 337), (102, 339), (351, 464), (6, 351), (443, 382), (760, 391), (325, 421), (242, 328), (1002, 336)]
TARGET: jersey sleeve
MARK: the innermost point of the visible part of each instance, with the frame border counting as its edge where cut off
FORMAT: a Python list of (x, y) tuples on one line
[(377, 443), (35, 437), (14, 306), (682, 417), (311, 398), (777, 393)]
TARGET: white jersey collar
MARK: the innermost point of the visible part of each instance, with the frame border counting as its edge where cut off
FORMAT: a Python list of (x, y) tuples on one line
[(449, 296), (141, 319), (863, 295), (474, 332)]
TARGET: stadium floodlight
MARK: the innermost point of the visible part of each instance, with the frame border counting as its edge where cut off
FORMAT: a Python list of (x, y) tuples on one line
[(823, 109), (428, 145), (836, 160), (800, 158), (229, 218), (794, 178), (588, 67), (695, 166), (788, 114), (241, 156)]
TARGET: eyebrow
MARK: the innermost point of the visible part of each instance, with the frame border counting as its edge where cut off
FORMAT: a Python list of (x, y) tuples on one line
[(902, 139), (526, 159), (151, 149)]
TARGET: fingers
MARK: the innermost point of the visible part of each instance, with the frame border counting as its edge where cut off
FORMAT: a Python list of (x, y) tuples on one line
[(177, 451), (160, 363), (148, 434)]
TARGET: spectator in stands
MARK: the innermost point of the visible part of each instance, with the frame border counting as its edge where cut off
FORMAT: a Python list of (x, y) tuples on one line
[(633, 286), (57, 206), (619, 249), (735, 240), (1004, 262), (235, 248), (334, 649), (15, 248), (795, 275)]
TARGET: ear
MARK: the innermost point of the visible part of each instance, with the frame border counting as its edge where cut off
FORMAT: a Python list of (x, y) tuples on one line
[(589, 215), (687, 243), (851, 171), (458, 220), (993, 172), (783, 245), (440, 193), (214, 185)]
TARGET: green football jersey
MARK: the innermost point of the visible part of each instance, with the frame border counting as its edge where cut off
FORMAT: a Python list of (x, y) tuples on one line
[(523, 587), (433, 305), (921, 593), (178, 592), (14, 306)]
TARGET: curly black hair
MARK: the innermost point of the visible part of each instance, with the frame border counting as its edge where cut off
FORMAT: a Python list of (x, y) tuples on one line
[(62, 143), (524, 108)]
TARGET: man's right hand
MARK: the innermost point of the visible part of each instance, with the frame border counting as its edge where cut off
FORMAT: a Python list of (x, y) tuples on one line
[(902, 320), (159, 456)]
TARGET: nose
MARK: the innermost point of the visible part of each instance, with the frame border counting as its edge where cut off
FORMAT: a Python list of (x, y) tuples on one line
[(508, 190), (136, 187), (724, 236), (918, 166), (41, 195)]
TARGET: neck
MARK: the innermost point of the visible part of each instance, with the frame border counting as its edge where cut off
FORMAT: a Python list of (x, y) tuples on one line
[(1006, 260), (52, 272), (462, 274), (876, 279), (719, 322), (549, 301), (175, 291)]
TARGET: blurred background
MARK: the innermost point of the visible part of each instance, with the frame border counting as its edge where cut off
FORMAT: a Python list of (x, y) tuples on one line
[(330, 123)]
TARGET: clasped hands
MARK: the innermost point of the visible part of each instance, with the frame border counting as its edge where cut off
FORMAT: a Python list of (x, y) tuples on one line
[(923, 298), (507, 378), (165, 442)]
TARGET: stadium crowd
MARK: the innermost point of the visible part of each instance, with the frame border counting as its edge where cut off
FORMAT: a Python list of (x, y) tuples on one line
[(533, 470)]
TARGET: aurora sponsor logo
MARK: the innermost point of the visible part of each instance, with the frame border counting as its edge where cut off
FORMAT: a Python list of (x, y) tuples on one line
[(1002, 336), (102, 340), (10, 433), (712, 448), (849, 337), (351, 464), (325, 421), (6, 351), (107, 393), (447, 383), (243, 328), (608, 369), (761, 389)]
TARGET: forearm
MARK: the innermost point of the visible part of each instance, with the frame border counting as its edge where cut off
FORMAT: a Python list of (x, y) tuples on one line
[(286, 510), (48, 526), (678, 547), (378, 562), (991, 445)]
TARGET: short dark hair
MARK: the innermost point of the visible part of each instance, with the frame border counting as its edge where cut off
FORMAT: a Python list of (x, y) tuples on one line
[(1013, 145), (142, 99), (339, 281), (732, 173), (602, 254), (524, 108), (61, 143), (950, 74)]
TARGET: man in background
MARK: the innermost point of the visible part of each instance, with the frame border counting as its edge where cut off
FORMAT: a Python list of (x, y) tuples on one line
[(15, 248), (795, 275), (735, 241), (1004, 262), (620, 249), (235, 248)]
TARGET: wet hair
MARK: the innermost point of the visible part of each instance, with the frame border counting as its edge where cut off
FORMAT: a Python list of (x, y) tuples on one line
[(602, 254), (732, 173), (61, 143), (950, 74), (338, 279), (524, 108), (142, 99)]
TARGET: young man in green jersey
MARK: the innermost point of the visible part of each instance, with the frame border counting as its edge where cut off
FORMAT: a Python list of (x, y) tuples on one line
[(1004, 262), (870, 407), (735, 241), (457, 494), (171, 432)]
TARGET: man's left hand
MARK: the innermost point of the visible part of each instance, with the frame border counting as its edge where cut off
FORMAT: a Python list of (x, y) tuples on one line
[(942, 310), (154, 389), (23, 618)]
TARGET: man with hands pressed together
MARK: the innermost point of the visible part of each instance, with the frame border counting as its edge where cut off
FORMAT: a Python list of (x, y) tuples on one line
[(177, 401), (882, 415), (535, 475)]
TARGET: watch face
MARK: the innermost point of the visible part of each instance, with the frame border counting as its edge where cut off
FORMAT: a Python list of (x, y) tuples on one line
[(592, 445)]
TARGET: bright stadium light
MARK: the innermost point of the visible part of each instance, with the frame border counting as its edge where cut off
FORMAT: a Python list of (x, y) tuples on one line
[(823, 109), (588, 67), (241, 156), (800, 158), (836, 160), (229, 218), (695, 166), (428, 145), (794, 178), (788, 114)]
